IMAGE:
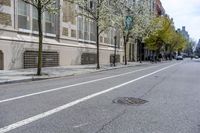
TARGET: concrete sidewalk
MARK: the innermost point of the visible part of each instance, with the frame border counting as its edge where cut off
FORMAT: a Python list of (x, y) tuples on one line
[(12, 76)]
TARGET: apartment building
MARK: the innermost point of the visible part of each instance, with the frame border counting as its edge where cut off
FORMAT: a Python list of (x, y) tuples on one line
[(68, 39), (184, 32)]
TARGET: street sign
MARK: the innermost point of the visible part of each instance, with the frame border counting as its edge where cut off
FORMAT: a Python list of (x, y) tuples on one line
[(128, 22)]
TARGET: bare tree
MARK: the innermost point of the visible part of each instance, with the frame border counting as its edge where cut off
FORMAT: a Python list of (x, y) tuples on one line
[(42, 6)]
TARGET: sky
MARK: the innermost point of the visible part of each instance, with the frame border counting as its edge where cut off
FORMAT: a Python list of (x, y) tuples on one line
[(185, 13)]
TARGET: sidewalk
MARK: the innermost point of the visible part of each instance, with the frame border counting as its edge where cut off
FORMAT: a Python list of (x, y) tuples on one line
[(12, 76)]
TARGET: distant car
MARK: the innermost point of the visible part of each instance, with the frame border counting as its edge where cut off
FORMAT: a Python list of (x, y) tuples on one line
[(196, 57), (179, 57)]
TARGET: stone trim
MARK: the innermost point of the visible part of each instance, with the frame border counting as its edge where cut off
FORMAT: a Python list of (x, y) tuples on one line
[(5, 2), (79, 45)]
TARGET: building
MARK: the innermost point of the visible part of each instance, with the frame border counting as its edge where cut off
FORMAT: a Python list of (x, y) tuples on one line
[(197, 49), (184, 32), (68, 39), (198, 44)]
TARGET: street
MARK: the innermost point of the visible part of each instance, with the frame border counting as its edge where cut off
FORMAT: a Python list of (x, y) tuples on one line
[(88, 103)]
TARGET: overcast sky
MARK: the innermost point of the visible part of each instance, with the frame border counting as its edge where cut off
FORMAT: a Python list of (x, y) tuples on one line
[(185, 13)]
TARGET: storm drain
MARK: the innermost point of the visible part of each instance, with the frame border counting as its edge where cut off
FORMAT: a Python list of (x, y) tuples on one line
[(129, 101)]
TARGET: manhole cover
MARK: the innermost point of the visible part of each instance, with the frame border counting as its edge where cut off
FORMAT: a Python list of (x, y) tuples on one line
[(129, 101)]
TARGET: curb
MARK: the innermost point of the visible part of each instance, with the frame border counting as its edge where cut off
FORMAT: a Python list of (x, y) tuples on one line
[(74, 74), (15, 81)]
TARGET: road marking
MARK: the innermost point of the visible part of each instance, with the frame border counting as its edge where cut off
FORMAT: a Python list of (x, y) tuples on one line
[(63, 107), (73, 85), (81, 125)]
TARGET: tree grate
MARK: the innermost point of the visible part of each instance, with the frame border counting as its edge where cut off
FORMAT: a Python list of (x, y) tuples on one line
[(129, 101)]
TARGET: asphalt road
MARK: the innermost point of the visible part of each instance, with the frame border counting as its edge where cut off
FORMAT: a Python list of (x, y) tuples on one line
[(85, 103)]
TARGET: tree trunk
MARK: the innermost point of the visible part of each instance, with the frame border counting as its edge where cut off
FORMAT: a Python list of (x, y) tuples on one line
[(140, 50), (98, 64), (125, 42), (115, 50), (39, 65), (97, 33)]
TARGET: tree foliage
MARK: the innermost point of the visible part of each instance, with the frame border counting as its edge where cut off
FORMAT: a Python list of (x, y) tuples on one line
[(140, 12), (165, 38)]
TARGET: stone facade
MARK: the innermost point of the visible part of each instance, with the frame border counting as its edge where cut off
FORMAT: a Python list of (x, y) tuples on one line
[(70, 38)]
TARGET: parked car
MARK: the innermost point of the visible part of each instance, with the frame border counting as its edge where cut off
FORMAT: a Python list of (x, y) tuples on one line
[(179, 57), (196, 57)]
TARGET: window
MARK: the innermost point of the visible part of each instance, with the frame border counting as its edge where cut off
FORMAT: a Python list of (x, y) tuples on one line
[(101, 39), (106, 40), (130, 2), (106, 36), (49, 23), (92, 31), (34, 19), (86, 29), (69, 12), (91, 4), (65, 31), (23, 15), (73, 33), (80, 27), (112, 35), (109, 36)]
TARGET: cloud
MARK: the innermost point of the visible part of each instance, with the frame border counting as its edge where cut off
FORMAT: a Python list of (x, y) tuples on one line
[(185, 13)]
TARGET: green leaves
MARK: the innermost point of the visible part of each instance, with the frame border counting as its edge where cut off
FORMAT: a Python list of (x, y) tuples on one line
[(165, 36)]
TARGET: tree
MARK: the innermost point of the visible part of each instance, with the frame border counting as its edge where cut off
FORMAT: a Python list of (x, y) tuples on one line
[(139, 11), (120, 11), (41, 7), (99, 12), (142, 24), (165, 37), (160, 36)]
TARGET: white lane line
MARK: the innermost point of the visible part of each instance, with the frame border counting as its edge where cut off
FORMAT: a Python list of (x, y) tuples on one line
[(81, 125), (63, 107), (73, 85)]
